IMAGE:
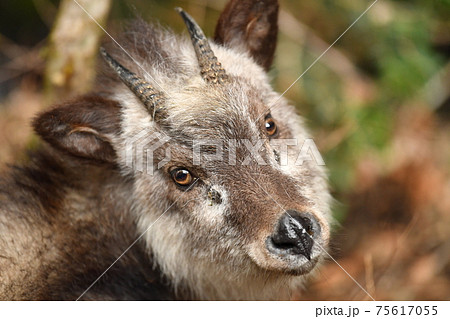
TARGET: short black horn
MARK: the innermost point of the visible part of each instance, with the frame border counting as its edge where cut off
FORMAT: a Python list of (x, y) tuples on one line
[(150, 97), (210, 68)]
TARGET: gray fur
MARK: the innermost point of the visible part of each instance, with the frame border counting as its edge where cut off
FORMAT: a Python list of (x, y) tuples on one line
[(210, 241)]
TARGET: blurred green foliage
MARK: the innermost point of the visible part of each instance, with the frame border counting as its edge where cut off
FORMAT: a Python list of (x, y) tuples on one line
[(395, 45)]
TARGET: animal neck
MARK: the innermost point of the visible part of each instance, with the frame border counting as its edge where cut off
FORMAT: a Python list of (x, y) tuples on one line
[(73, 218)]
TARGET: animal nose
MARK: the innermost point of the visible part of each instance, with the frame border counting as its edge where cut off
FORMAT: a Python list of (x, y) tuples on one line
[(294, 235)]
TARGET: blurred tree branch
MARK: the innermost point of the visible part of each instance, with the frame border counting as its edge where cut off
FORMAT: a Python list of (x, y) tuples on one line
[(46, 11), (72, 50), (20, 60), (437, 89), (358, 87)]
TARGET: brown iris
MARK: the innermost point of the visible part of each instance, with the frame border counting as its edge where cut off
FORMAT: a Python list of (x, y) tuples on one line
[(182, 176), (271, 127)]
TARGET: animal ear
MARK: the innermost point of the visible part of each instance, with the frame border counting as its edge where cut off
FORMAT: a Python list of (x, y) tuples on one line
[(84, 127), (252, 24)]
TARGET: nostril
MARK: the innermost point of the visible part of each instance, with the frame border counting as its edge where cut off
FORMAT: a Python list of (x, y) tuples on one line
[(294, 234), (307, 226)]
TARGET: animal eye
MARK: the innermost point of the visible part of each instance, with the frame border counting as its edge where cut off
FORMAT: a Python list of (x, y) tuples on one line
[(271, 127), (182, 177)]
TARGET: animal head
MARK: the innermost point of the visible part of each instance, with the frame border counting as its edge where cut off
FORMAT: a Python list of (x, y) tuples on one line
[(197, 126)]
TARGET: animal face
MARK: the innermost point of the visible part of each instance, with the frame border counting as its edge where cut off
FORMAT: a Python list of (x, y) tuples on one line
[(226, 201)]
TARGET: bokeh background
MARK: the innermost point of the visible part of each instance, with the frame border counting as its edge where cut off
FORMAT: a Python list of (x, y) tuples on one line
[(377, 103)]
